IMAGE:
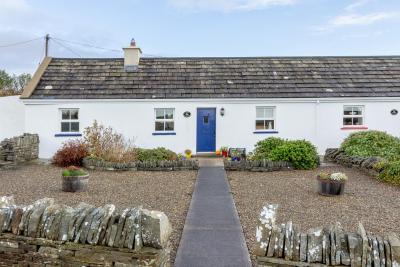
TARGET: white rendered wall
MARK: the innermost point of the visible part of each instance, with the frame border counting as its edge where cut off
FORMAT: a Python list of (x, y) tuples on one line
[(319, 123), (12, 117)]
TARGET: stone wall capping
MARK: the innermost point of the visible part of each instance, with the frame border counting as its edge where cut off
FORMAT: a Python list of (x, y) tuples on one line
[(319, 247), (45, 232), (256, 165)]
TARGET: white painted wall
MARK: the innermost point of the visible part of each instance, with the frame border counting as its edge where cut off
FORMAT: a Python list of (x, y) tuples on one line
[(12, 117), (319, 121)]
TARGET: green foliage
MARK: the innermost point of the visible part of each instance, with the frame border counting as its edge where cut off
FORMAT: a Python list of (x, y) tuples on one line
[(324, 175), (73, 171), (264, 147), (12, 84), (372, 144), (300, 153), (156, 154), (391, 173)]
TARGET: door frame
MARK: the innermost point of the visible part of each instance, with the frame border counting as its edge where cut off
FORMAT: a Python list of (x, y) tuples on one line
[(197, 126)]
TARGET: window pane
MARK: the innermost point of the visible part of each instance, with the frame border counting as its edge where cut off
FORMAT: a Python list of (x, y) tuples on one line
[(357, 111), (169, 113), (169, 126), (269, 113), (269, 125), (260, 125), (357, 121), (348, 111), (74, 114), (65, 127), (205, 119), (159, 113), (159, 126), (74, 126), (65, 114), (347, 121), (260, 112)]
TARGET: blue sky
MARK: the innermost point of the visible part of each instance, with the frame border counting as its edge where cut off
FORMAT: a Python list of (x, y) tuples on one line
[(198, 28)]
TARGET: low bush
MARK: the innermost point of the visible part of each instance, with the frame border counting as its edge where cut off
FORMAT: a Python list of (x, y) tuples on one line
[(264, 147), (73, 171), (71, 153), (372, 144), (156, 154), (391, 172), (300, 153)]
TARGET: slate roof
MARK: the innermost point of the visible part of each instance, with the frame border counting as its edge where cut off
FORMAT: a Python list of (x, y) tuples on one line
[(177, 78)]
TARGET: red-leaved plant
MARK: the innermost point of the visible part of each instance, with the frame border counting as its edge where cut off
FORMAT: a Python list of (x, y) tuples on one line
[(71, 154)]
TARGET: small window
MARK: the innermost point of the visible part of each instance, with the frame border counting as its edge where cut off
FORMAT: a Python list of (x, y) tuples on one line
[(164, 119), (265, 118), (353, 115), (69, 120)]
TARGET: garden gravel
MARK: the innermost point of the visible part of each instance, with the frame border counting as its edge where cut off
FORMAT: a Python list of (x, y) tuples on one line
[(366, 200), (169, 192)]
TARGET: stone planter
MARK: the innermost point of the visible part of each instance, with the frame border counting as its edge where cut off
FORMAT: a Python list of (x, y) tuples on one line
[(330, 187), (75, 183)]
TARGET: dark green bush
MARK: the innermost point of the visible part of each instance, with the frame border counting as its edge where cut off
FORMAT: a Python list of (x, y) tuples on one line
[(372, 144), (300, 153), (391, 173), (264, 147), (156, 154)]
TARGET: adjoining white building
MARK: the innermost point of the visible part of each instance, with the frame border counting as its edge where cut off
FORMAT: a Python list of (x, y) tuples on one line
[(205, 103)]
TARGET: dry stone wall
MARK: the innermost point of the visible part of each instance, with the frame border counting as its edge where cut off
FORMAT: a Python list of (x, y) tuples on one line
[(18, 149), (286, 245), (256, 165), (366, 165), (49, 234)]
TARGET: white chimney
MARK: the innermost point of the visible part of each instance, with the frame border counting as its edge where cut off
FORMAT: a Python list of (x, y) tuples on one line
[(132, 56)]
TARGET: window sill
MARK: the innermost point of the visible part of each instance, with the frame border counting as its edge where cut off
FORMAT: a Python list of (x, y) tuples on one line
[(354, 128), (68, 135), (166, 133), (265, 132)]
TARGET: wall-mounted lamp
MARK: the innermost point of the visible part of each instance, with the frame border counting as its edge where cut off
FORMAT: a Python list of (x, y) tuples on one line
[(222, 112)]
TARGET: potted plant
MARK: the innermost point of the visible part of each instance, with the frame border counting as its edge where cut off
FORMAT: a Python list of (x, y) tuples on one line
[(74, 179), (331, 184), (218, 152), (224, 151), (235, 155), (188, 153)]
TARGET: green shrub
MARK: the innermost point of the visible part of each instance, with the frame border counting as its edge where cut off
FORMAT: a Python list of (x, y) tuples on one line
[(264, 147), (300, 153), (156, 154), (73, 171), (372, 144), (391, 173)]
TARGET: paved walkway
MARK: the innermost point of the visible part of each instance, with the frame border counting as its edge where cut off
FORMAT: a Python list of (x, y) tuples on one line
[(212, 235)]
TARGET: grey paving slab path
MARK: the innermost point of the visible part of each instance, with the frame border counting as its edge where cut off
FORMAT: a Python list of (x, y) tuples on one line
[(212, 235)]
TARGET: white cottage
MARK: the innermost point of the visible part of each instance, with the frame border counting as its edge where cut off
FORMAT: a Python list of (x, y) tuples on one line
[(205, 103)]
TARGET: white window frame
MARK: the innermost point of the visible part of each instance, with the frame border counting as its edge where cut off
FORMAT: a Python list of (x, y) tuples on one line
[(164, 120), (362, 116), (273, 118), (69, 120)]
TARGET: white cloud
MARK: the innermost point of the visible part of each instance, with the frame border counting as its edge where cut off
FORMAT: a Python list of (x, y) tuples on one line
[(357, 19), (228, 5), (357, 4)]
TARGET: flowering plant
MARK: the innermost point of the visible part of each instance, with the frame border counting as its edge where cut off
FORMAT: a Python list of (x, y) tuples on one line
[(338, 176)]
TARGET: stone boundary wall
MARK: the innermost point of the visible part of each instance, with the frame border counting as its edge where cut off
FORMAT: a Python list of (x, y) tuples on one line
[(176, 165), (256, 165), (49, 234), (18, 149), (286, 245), (366, 165)]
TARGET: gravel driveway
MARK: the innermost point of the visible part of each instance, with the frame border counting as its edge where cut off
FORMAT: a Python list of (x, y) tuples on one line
[(169, 192), (375, 204)]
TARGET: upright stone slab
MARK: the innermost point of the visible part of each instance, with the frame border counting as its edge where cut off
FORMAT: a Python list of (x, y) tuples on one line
[(265, 223), (395, 249), (156, 228), (314, 247), (356, 250), (361, 231), (288, 250)]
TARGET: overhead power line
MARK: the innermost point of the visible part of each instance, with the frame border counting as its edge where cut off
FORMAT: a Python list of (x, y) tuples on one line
[(86, 45), (20, 43), (66, 47)]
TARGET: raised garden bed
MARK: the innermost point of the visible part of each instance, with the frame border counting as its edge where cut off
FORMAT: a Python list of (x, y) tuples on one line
[(256, 165), (176, 165)]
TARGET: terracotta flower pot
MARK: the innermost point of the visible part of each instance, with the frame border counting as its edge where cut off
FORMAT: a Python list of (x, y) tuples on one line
[(75, 183), (330, 187)]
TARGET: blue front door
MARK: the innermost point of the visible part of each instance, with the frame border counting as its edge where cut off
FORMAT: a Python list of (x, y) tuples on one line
[(206, 129)]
